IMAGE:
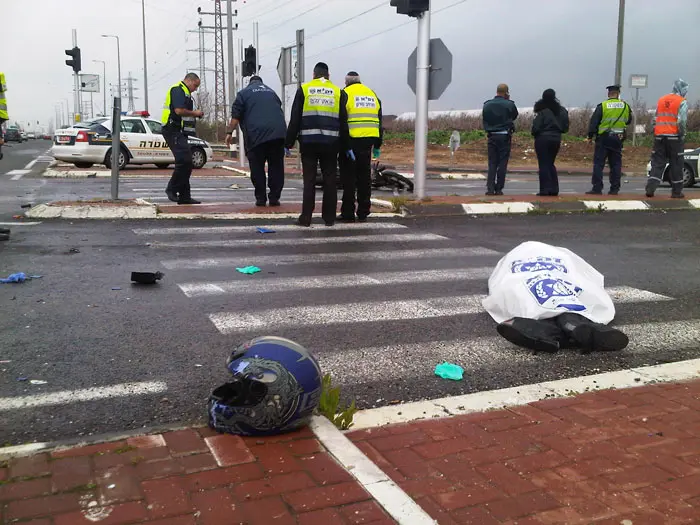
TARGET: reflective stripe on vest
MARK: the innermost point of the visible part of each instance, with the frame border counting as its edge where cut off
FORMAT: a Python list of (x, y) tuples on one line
[(320, 118), (615, 115), (165, 116), (3, 101), (667, 115), (363, 112)]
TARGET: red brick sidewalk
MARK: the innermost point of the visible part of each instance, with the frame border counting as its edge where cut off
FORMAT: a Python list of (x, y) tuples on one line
[(627, 457), (188, 477)]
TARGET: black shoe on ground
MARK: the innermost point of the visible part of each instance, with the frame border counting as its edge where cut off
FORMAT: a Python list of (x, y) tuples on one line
[(188, 200), (343, 218), (490, 193), (499, 192), (301, 221), (596, 336), (613, 192), (4, 236), (5, 230), (275, 203), (649, 194), (678, 196), (362, 219), (330, 223), (529, 333), (171, 195), (261, 203), (593, 192)]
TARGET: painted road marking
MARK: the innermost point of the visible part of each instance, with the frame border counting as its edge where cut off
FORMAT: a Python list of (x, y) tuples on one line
[(19, 223), (31, 164), (332, 281), (265, 241), (17, 174), (89, 394), (315, 258), (277, 227)]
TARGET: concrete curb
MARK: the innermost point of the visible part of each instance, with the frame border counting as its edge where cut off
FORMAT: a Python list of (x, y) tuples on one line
[(71, 174), (142, 210), (537, 207)]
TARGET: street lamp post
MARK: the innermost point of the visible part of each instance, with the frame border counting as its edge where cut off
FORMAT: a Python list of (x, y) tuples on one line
[(620, 39), (119, 65), (145, 68), (104, 85)]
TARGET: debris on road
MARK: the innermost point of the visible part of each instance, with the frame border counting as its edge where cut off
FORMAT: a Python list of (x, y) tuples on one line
[(265, 230), (38, 382), (146, 277), (26, 206), (22, 378), (116, 288), (249, 270), (74, 250), (449, 371), (19, 277)]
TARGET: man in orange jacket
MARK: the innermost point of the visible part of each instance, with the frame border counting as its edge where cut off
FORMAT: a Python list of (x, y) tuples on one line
[(669, 124)]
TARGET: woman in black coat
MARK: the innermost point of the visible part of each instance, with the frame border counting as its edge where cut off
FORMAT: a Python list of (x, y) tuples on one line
[(551, 121)]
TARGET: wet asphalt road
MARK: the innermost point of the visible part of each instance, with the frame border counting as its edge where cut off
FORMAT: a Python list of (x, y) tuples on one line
[(361, 313)]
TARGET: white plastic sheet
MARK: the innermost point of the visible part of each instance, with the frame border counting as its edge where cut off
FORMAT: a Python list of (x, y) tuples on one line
[(540, 281)]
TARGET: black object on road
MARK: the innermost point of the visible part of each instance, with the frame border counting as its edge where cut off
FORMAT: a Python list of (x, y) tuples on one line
[(146, 277)]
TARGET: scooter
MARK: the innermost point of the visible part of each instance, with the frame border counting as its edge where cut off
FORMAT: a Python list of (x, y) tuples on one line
[(381, 178)]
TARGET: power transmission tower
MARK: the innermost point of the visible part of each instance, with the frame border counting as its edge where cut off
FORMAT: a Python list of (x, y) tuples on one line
[(130, 91), (202, 54)]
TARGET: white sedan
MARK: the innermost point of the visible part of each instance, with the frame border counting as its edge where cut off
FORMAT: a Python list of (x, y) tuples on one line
[(691, 167), (90, 143)]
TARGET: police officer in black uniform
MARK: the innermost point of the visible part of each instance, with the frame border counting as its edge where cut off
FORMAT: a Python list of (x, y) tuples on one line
[(179, 104)]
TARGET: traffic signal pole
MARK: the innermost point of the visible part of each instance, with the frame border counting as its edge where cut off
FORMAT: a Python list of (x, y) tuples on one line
[(422, 79), (76, 85)]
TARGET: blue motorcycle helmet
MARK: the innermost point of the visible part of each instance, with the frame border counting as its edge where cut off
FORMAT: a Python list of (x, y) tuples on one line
[(276, 387)]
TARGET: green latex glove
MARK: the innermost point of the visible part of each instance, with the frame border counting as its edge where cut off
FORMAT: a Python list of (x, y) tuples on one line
[(376, 153), (249, 270), (449, 371)]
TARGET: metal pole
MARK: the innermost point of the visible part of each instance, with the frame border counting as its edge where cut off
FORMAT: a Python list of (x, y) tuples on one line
[(231, 70), (119, 71), (241, 140), (256, 43), (116, 123), (620, 38), (422, 79), (145, 66), (76, 85), (300, 75), (634, 117)]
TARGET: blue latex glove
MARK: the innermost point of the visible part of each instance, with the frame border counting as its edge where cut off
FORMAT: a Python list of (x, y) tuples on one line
[(351, 155), (376, 153), (249, 270), (287, 153), (14, 278)]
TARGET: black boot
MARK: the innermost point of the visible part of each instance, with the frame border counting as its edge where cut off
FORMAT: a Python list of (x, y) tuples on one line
[(592, 336), (541, 336)]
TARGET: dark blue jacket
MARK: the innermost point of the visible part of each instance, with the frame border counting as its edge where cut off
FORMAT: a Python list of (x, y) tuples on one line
[(499, 115), (259, 110)]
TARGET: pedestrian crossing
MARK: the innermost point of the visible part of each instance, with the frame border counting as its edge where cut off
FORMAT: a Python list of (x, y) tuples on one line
[(380, 315)]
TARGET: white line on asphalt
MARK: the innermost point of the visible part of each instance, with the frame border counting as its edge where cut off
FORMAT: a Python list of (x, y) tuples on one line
[(262, 260), (488, 208), (89, 394), (19, 223), (627, 294), (31, 164), (616, 205), (416, 361), (289, 241), (276, 227), (521, 395), (333, 281), (388, 494), (17, 174), (370, 311)]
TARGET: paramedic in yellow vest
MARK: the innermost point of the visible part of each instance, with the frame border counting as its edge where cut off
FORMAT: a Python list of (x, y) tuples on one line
[(319, 120), (608, 126), (4, 116), (365, 128), (178, 104), (670, 123)]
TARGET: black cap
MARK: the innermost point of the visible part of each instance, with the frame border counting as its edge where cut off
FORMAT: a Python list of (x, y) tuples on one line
[(614, 87)]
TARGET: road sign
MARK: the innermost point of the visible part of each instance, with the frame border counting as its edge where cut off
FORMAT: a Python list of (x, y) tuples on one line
[(90, 83), (440, 69), (287, 66), (639, 81)]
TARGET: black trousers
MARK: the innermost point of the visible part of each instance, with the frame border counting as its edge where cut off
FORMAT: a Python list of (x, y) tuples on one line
[(547, 149), (180, 180), (271, 152), (499, 154), (327, 156), (666, 149), (356, 176), (607, 147)]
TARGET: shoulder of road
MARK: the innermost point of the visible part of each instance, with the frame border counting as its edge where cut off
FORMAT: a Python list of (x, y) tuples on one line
[(621, 447)]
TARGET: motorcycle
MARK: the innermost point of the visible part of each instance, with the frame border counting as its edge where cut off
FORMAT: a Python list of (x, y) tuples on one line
[(381, 178)]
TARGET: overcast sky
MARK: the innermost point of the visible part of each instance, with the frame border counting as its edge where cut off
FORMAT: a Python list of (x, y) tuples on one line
[(568, 45)]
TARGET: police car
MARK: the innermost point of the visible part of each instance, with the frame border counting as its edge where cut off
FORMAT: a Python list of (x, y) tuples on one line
[(691, 167), (89, 143)]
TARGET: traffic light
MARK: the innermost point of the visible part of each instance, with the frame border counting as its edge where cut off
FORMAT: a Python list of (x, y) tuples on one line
[(413, 8), (75, 61), (249, 62)]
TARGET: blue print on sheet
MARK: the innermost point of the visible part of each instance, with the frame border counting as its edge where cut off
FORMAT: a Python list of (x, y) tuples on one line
[(554, 293), (538, 264)]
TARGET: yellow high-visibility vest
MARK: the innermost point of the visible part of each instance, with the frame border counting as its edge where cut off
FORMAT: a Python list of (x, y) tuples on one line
[(363, 112), (168, 112), (320, 120)]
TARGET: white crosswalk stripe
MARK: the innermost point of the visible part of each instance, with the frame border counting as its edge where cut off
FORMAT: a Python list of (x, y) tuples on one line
[(175, 231), (309, 240)]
